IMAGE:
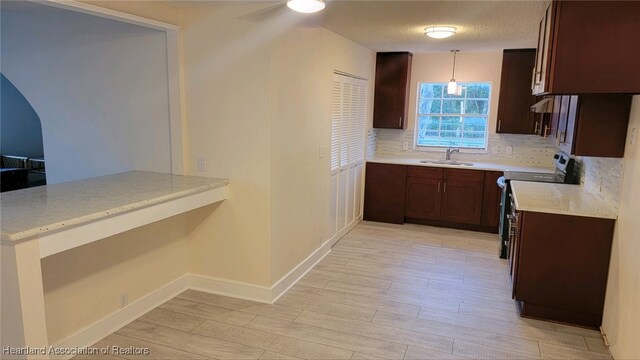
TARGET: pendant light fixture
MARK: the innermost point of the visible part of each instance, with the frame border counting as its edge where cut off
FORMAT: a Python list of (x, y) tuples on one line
[(306, 6), (452, 87)]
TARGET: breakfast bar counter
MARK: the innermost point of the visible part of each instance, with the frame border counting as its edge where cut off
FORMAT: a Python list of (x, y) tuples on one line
[(43, 221)]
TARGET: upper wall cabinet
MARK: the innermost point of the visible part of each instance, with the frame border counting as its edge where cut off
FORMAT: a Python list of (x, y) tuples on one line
[(514, 116), (587, 47), (391, 98), (592, 124)]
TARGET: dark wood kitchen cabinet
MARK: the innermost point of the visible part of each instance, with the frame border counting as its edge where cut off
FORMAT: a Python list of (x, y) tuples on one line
[(384, 192), (591, 124), (492, 198), (391, 94), (560, 266), (586, 47), (462, 194), (444, 196), (514, 116), (423, 192)]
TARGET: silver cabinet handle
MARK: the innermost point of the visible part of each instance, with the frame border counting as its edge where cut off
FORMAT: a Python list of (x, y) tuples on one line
[(439, 182), (400, 122), (445, 187), (499, 124), (546, 131)]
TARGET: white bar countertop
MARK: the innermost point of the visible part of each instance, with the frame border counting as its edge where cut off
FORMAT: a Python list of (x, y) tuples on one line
[(564, 199), (476, 165), (41, 210)]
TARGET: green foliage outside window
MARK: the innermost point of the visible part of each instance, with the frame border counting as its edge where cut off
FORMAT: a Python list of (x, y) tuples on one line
[(453, 120)]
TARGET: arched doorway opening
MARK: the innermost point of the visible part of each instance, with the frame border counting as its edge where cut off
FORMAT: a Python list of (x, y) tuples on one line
[(21, 147)]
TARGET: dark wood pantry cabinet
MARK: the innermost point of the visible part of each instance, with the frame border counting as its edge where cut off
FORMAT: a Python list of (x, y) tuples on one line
[(391, 93), (515, 97), (588, 47)]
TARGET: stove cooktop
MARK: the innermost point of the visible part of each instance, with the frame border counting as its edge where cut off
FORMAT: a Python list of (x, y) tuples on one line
[(536, 177)]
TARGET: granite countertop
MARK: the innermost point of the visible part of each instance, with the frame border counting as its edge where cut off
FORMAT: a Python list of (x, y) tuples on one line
[(35, 211), (561, 199), (486, 166)]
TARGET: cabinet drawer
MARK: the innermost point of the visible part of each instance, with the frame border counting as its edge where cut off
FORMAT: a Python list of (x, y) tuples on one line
[(425, 172), (463, 174)]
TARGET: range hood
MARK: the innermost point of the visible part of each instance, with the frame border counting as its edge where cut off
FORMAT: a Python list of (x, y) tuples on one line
[(543, 106)]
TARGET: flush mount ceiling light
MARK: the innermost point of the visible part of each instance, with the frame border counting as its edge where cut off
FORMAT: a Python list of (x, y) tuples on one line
[(306, 6), (439, 32), (452, 86)]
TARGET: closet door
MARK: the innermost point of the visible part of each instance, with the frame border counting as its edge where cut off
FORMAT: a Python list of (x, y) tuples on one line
[(347, 151)]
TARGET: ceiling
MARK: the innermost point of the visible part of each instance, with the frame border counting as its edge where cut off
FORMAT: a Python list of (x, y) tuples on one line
[(399, 25)]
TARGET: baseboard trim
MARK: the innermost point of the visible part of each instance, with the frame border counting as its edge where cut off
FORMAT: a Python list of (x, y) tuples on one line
[(236, 289), (116, 320)]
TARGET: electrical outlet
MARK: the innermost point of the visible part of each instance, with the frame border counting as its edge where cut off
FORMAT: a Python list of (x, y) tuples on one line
[(202, 164), (405, 146), (124, 299), (632, 137)]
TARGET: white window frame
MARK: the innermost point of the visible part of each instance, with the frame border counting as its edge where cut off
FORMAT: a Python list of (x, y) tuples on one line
[(423, 148)]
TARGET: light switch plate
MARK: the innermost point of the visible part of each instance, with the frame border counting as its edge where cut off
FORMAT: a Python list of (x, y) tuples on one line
[(632, 136), (322, 152)]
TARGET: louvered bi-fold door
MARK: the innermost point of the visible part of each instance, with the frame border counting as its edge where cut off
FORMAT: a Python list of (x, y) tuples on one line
[(349, 105)]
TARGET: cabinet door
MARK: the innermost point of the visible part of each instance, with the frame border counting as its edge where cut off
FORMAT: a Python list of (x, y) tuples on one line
[(423, 198), (551, 129), (462, 192), (514, 116), (542, 66), (563, 119), (391, 96), (492, 197), (602, 123), (566, 140), (384, 192)]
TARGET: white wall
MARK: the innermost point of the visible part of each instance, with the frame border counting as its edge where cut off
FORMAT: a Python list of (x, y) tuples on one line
[(99, 87), (258, 103), (621, 320), (302, 66), (20, 130)]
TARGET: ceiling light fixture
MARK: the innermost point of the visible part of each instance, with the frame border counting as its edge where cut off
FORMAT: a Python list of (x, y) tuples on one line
[(452, 86), (306, 6), (439, 32)]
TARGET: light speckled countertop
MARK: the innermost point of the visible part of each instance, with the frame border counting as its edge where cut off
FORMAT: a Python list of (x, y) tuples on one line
[(562, 199), (40, 210), (476, 165)]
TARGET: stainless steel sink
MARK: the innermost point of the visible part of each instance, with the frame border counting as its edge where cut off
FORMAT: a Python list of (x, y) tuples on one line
[(445, 162)]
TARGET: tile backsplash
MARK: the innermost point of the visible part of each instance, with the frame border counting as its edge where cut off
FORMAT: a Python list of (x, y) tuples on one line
[(600, 176), (525, 150)]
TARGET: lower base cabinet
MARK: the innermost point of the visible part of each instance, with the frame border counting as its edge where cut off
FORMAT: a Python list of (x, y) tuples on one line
[(384, 191), (560, 266), (459, 198)]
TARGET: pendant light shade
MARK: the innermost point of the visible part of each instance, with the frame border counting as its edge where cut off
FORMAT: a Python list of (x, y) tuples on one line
[(452, 87), (306, 6)]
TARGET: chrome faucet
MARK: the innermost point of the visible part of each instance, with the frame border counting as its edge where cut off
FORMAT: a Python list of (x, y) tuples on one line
[(451, 151)]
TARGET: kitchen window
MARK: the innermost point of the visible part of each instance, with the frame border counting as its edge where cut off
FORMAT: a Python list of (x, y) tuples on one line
[(445, 120)]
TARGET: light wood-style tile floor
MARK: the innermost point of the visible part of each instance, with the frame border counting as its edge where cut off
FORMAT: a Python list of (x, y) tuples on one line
[(385, 291)]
